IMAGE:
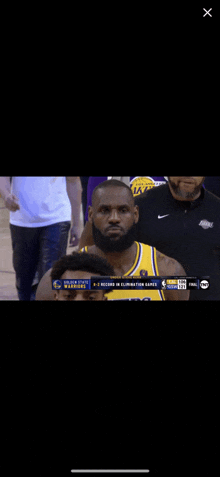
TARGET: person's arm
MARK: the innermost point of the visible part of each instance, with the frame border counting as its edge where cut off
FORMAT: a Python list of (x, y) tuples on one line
[(11, 201), (169, 267), (74, 191), (86, 237)]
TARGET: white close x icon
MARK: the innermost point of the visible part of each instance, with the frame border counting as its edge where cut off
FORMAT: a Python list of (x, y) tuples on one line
[(207, 12)]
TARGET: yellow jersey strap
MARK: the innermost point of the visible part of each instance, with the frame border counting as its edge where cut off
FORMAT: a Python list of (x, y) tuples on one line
[(84, 249)]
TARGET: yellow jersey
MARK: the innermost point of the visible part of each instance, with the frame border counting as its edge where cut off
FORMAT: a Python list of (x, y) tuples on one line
[(145, 265)]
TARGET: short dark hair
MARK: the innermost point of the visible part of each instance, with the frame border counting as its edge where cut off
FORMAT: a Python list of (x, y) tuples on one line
[(81, 261), (109, 183)]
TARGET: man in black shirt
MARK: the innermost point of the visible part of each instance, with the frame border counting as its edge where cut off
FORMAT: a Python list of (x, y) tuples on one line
[(182, 220)]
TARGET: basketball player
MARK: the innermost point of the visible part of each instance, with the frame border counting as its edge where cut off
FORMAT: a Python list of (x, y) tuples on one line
[(138, 185), (78, 266), (113, 216)]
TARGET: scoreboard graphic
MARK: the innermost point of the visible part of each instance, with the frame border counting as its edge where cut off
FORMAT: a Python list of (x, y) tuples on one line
[(132, 283)]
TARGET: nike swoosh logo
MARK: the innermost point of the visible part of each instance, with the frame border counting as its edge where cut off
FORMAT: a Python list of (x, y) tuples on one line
[(162, 216)]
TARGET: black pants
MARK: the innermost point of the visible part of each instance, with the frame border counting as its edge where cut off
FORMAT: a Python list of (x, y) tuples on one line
[(36, 249), (84, 182)]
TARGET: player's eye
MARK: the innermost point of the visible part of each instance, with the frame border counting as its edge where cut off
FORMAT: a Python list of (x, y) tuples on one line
[(105, 210), (92, 297), (123, 210)]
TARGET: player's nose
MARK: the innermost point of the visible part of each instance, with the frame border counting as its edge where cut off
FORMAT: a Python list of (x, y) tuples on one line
[(114, 217), (80, 297)]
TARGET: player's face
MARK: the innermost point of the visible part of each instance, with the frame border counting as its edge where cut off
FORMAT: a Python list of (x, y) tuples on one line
[(114, 217), (78, 295), (186, 187)]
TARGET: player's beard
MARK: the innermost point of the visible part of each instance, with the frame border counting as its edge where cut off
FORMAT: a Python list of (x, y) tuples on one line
[(183, 194), (110, 244)]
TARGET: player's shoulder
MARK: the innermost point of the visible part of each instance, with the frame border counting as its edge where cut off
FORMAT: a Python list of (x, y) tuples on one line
[(88, 249), (168, 266)]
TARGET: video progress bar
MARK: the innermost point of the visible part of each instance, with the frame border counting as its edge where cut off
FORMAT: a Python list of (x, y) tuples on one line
[(111, 471)]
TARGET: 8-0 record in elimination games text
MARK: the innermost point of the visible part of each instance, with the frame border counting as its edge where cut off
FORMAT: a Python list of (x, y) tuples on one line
[(134, 283)]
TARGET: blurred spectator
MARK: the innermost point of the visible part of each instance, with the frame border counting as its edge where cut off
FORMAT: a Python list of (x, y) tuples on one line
[(41, 209)]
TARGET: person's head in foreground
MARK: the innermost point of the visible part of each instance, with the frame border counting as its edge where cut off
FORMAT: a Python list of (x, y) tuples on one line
[(80, 266)]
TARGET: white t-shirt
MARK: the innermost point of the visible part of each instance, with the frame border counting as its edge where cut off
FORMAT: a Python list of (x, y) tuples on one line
[(43, 201)]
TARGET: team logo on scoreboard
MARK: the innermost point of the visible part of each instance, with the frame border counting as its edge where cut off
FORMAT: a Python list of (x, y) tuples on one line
[(141, 184), (57, 285)]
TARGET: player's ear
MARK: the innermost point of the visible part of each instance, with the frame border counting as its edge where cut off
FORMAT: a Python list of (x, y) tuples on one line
[(105, 298), (90, 213), (136, 214)]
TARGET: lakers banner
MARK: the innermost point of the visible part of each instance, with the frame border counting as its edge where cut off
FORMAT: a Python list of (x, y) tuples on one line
[(141, 184)]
